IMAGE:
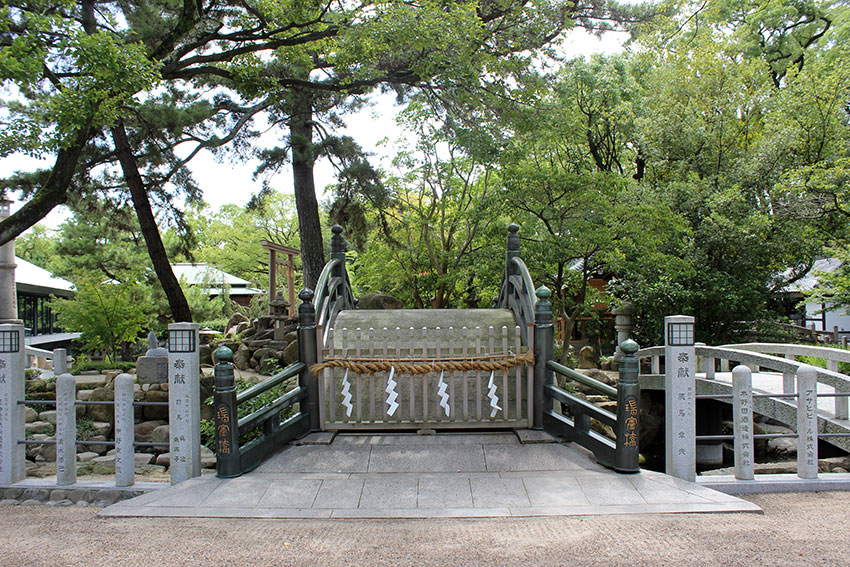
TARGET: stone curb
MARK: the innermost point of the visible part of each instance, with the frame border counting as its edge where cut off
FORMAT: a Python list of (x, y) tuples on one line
[(70, 496)]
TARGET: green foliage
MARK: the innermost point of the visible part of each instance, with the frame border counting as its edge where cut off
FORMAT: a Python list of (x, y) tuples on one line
[(105, 313), (85, 428)]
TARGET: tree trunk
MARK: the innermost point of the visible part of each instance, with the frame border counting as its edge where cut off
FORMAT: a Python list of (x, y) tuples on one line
[(156, 250), (53, 192), (309, 226)]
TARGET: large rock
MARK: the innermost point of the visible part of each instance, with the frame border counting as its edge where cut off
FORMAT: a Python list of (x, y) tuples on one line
[(39, 427), (30, 414), (234, 321), (379, 301), (160, 435), (205, 354), (154, 413), (262, 353), (587, 358), (242, 358), (290, 353), (145, 429), (102, 412)]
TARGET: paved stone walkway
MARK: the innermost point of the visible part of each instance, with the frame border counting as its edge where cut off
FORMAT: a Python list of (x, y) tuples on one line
[(444, 475)]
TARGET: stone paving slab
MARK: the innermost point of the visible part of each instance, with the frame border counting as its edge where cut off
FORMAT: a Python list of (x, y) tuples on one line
[(383, 477)]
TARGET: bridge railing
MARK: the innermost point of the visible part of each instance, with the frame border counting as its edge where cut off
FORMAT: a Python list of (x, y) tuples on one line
[(532, 312), (573, 420), (289, 416), (333, 289), (517, 291), (690, 373), (714, 359)]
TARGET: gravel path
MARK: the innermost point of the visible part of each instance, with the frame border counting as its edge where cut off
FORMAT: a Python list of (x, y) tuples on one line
[(796, 529)]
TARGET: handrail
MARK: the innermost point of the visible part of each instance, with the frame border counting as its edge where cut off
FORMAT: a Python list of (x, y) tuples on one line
[(270, 382), (322, 282), (526, 280), (828, 353), (581, 378), (254, 419), (587, 408)]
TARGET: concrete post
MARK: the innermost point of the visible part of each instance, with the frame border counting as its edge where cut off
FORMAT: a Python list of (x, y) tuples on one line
[(742, 419), (544, 350), (8, 293), (66, 430), (807, 422), (124, 431), (679, 396), (60, 361), (308, 354), (788, 384), (12, 455), (842, 407), (184, 403)]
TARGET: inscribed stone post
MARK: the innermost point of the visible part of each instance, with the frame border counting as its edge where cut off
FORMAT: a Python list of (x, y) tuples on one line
[(66, 430), (60, 361), (742, 416), (184, 405), (12, 455), (124, 431), (807, 422), (679, 396)]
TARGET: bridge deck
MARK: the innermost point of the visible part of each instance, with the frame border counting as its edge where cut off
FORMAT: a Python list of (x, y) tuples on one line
[(444, 475)]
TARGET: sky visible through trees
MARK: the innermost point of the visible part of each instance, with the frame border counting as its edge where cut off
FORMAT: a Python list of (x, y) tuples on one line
[(373, 127)]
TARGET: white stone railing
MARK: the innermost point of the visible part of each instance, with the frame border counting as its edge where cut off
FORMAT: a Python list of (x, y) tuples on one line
[(712, 359), (183, 404), (37, 358), (798, 398)]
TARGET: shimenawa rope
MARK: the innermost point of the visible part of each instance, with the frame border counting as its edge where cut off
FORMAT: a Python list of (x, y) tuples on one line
[(406, 366)]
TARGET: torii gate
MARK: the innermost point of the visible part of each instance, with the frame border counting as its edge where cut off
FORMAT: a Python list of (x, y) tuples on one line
[(289, 264)]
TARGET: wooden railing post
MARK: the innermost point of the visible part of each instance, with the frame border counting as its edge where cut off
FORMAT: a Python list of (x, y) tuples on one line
[(511, 250), (308, 354), (228, 463), (544, 350), (627, 458), (338, 251)]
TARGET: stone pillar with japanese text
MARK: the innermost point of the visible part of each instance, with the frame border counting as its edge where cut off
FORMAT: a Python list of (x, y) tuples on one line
[(680, 396), (742, 422), (807, 422), (184, 401), (12, 455)]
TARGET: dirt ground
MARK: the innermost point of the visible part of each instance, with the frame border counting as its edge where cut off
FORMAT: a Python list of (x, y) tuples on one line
[(796, 529)]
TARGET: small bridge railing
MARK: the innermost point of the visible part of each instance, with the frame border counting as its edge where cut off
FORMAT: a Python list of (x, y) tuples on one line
[(289, 416), (572, 419), (517, 292), (333, 289)]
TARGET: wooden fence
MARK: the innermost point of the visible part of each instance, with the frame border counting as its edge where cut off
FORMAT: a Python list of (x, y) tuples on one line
[(426, 379)]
